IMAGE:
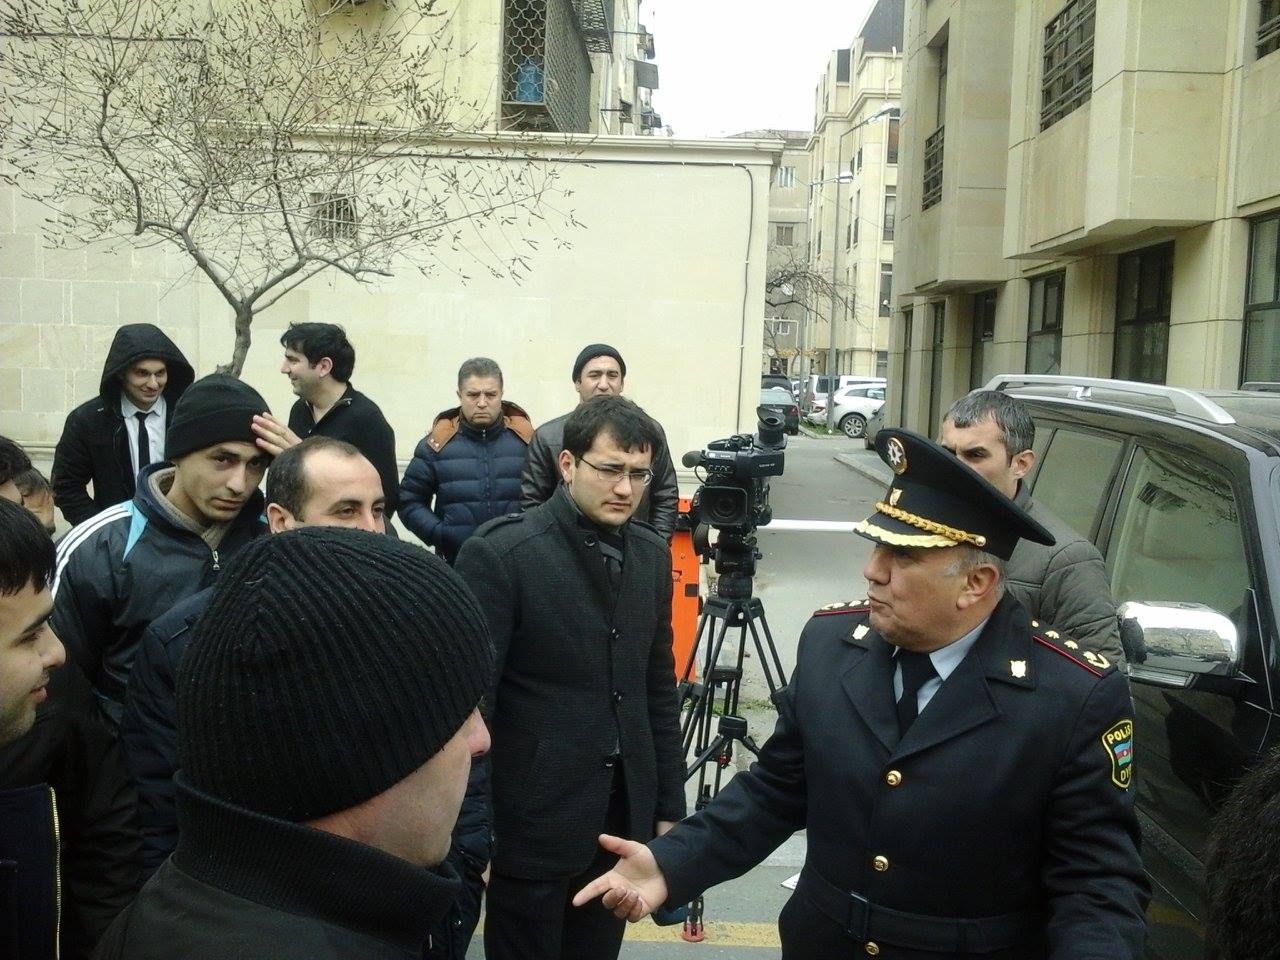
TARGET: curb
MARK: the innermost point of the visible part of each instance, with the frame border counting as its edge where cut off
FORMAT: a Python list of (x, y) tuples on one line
[(871, 467)]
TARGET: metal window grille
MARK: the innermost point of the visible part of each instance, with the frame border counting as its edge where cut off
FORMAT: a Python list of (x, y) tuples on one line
[(890, 211), (333, 216), (546, 72), (1144, 298), (595, 22), (886, 289), (932, 192), (1269, 27), (1068, 62)]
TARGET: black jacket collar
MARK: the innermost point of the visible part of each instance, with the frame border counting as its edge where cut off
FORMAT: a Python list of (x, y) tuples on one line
[(296, 869)]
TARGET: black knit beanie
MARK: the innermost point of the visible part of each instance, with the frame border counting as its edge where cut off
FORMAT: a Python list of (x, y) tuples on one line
[(329, 665), (592, 351), (215, 409)]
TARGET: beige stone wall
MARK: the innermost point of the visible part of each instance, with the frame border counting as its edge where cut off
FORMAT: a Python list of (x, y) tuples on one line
[(669, 269)]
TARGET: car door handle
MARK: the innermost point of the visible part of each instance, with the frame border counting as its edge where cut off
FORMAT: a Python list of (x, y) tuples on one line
[(1158, 677)]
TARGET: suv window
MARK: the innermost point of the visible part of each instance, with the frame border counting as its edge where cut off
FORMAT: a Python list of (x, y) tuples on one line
[(1074, 475), (1177, 536)]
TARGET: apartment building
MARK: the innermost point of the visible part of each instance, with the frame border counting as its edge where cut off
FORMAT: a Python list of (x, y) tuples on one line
[(852, 193), (1086, 188)]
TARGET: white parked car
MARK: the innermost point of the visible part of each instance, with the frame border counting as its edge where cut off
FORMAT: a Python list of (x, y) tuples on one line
[(854, 407)]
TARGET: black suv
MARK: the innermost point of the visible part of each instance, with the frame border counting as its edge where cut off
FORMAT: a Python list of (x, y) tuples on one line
[(1180, 490)]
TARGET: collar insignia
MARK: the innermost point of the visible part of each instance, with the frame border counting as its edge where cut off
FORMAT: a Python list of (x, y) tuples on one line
[(1018, 668)]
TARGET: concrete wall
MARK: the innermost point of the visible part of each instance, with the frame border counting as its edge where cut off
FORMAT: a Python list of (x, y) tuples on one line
[(669, 268)]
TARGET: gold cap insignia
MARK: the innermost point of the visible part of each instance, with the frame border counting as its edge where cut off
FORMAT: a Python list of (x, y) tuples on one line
[(1018, 668), (897, 454)]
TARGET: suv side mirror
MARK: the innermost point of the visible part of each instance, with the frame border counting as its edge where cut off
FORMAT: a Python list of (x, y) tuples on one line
[(1169, 642)]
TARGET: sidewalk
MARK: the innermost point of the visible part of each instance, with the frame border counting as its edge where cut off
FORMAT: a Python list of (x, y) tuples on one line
[(869, 464)]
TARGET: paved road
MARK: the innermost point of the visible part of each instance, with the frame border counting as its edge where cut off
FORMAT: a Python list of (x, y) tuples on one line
[(798, 573)]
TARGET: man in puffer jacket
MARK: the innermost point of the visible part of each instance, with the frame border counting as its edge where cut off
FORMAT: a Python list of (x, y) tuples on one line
[(466, 471)]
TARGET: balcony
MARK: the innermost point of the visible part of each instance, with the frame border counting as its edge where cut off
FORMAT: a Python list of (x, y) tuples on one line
[(932, 188), (546, 71), (595, 23)]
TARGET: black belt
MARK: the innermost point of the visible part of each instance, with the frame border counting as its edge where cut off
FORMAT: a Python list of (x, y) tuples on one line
[(866, 921)]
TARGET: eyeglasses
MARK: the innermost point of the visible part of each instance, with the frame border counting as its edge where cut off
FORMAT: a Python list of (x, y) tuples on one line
[(614, 474)]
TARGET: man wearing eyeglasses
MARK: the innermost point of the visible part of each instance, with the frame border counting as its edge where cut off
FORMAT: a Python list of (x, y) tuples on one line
[(583, 715)]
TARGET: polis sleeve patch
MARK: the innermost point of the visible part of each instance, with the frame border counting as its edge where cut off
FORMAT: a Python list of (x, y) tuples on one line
[(1118, 742)]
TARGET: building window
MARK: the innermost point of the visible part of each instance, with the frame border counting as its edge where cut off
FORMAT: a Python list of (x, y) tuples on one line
[(882, 364), (857, 159), (937, 338), (853, 214), (784, 234), (784, 177), (334, 216), (1068, 62), (819, 251), (842, 66), (906, 365), (1269, 27), (942, 84), (1044, 324), (890, 211), (932, 192), (1144, 291), (1262, 304), (984, 336), (886, 289), (891, 154)]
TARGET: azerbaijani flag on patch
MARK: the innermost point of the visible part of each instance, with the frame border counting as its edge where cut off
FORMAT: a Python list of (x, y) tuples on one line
[(1123, 752)]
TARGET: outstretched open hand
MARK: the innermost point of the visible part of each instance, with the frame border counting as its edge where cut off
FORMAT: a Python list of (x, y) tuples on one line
[(634, 888)]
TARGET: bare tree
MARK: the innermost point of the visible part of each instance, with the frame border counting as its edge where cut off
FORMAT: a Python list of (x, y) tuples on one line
[(268, 141), (791, 281)]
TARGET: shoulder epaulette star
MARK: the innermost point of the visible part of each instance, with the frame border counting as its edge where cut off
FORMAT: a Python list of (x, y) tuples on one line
[(1094, 662), (844, 606)]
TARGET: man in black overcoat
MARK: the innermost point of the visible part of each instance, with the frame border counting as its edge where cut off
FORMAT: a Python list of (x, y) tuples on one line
[(964, 773), (584, 714)]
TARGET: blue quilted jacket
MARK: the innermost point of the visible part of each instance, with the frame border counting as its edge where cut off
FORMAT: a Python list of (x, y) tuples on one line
[(461, 477)]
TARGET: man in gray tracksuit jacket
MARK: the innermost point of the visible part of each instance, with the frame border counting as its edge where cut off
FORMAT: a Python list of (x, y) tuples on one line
[(1064, 587)]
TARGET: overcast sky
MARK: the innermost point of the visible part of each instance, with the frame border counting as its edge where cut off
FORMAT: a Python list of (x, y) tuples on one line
[(732, 65)]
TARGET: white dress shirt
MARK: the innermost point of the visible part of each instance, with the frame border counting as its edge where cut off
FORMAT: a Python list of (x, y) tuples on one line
[(155, 429), (945, 660)]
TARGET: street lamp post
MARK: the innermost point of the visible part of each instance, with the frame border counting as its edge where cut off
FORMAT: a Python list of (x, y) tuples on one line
[(888, 110)]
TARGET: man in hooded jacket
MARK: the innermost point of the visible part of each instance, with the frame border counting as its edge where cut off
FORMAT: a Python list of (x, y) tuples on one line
[(106, 437)]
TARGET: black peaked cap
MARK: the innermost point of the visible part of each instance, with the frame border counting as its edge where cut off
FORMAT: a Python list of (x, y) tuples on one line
[(937, 500)]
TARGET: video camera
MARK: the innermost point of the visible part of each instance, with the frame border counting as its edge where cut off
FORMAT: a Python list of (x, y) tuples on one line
[(734, 499), (734, 495)]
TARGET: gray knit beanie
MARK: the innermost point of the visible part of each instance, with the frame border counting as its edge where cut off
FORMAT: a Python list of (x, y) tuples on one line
[(329, 665)]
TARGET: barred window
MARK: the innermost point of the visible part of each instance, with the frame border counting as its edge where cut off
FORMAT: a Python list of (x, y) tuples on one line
[(1068, 62), (932, 191), (890, 211), (1269, 27), (1044, 324), (1144, 294), (333, 216)]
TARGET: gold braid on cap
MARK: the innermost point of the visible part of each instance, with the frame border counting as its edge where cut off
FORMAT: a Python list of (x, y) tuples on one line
[(931, 526)]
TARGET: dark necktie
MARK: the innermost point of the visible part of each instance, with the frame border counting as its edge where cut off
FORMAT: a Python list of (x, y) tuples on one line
[(144, 442), (917, 669)]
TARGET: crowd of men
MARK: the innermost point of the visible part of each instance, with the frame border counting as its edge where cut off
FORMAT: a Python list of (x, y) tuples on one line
[(244, 722)]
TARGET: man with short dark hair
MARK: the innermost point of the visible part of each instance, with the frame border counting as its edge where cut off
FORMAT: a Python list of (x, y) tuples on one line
[(1064, 586), (108, 440), (964, 779), (600, 371), (37, 496), (466, 471), (67, 837), (328, 715), (319, 361), (129, 564), (14, 462), (583, 709)]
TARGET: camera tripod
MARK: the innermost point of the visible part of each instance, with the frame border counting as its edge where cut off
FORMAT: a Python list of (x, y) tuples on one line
[(711, 725)]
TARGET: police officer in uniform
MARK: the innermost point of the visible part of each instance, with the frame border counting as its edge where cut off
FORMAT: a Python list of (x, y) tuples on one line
[(964, 773)]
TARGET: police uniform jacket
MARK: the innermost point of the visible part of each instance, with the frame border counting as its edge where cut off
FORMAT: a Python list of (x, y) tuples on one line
[(1001, 825), (585, 680)]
